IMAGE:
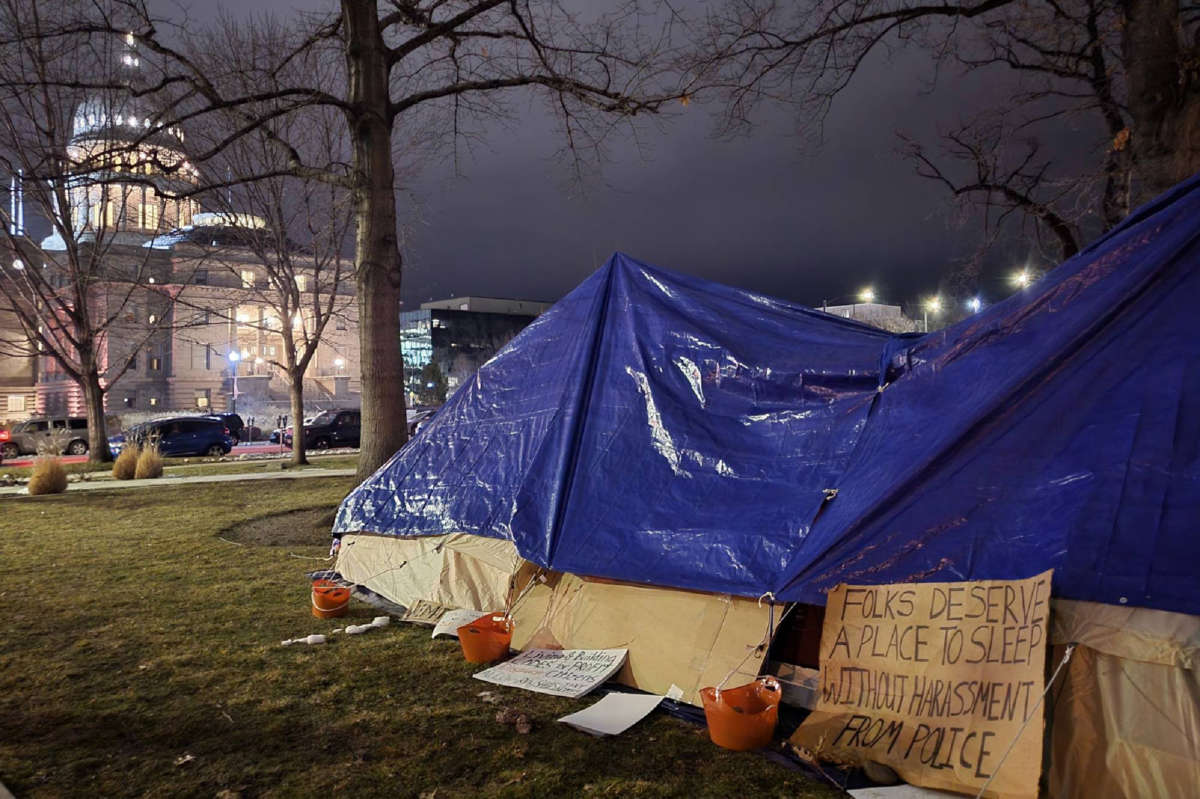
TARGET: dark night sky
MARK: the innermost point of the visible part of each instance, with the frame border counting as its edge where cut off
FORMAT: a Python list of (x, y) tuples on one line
[(760, 211)]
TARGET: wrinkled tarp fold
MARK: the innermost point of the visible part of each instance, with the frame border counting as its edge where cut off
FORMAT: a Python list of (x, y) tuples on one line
[(656, 428)]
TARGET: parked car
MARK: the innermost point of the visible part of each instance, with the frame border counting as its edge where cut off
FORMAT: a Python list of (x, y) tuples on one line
[(178, 435), (5, 437), (335, 428), (60, 434), (235, 424)]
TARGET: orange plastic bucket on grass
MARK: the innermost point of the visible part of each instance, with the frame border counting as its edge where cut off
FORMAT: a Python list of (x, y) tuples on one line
[(329, 600), (487, 638), (742, 718)]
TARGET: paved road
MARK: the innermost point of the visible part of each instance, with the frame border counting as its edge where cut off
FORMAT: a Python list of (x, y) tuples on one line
[(173, 480), (255, 448)]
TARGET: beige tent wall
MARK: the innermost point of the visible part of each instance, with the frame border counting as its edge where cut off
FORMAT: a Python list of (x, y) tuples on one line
[(458, 571), (674, 637), (685, 638), (1125, 717)]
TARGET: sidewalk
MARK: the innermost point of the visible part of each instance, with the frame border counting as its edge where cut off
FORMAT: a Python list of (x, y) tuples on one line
[(174, 480)]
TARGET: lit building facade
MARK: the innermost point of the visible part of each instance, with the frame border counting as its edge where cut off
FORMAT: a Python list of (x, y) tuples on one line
[(457, 336), (190, 303)]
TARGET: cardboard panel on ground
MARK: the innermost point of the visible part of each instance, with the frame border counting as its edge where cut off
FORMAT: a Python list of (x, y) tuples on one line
[(686, 638)]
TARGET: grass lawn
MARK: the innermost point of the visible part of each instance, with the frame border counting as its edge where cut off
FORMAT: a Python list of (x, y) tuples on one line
[(198, 465), (140, 656)]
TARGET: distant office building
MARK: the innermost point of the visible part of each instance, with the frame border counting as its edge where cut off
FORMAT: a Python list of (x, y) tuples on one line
[(885, 317), (446, 341)]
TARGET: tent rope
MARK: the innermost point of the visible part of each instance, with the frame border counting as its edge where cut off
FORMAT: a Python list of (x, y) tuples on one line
[(512, 605), (1012, 744), (770, 634)]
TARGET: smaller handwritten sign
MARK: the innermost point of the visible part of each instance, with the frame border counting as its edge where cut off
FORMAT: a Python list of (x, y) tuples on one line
[(451, 620), (425, 612), (558, 672)]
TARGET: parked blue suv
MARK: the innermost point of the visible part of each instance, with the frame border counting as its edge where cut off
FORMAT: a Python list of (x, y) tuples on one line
[(179, 435)]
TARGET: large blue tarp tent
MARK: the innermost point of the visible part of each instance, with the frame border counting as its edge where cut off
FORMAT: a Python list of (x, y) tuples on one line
[(656, 428)]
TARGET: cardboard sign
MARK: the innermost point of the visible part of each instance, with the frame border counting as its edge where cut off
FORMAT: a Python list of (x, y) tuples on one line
[(936, 680), (425, 612), (559, 672)]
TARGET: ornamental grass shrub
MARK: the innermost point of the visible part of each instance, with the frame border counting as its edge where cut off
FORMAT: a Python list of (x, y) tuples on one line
[(49, 476), (125, 466), (149, 464)]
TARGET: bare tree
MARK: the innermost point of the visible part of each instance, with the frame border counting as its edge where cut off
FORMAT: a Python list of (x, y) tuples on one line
[(1126, 69), (88, 298)]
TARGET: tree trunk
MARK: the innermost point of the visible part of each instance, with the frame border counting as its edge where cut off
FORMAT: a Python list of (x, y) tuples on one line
[(1164, 99), (296, 394), (377, 254), (93, 394)]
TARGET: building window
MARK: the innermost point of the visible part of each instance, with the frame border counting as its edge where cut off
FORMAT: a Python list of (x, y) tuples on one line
[(153, 402), (202, 398), (153, 318), (155, 366), (133, 363), (202, 280), (301, 282), (207, 357), (247, 278), (341, 323), (16, 402)]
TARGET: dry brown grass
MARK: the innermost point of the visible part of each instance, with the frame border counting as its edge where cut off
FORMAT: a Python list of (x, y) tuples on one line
[(125, 466), (149, 464), (49, 476)]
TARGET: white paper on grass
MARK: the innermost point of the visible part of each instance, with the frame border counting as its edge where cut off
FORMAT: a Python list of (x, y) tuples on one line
[(613, 714), (451, 620), (558, 672), (901, 792)]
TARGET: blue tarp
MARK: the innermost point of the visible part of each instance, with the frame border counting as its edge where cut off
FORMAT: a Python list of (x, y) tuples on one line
[(656, 428)]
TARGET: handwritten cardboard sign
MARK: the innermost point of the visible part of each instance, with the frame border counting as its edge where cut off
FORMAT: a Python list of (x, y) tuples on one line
[(559, 672), (936, 680)]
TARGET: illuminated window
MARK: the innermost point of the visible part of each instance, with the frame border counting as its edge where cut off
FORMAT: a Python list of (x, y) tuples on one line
[(247, 278), (153, 317), (301, 282)]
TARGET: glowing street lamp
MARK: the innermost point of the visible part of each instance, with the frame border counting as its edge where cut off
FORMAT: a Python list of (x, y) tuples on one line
[(974, 304), (339, 363), (867, 294), (1022, 279), (234, 356), (933, 305)]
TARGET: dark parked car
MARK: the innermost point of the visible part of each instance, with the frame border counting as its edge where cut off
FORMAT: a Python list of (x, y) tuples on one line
[(337, 428), (180, 435), (61, 434), (234, 423)]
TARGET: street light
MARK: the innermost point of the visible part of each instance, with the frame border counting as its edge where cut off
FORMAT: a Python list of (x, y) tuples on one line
[(234, 356), (974, 304), (1022, 279), (867, 294), (933, 305)]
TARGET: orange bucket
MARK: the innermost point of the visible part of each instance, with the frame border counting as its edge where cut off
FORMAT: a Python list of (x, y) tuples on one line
[(486, 639), (329, 599), (742, 718)]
